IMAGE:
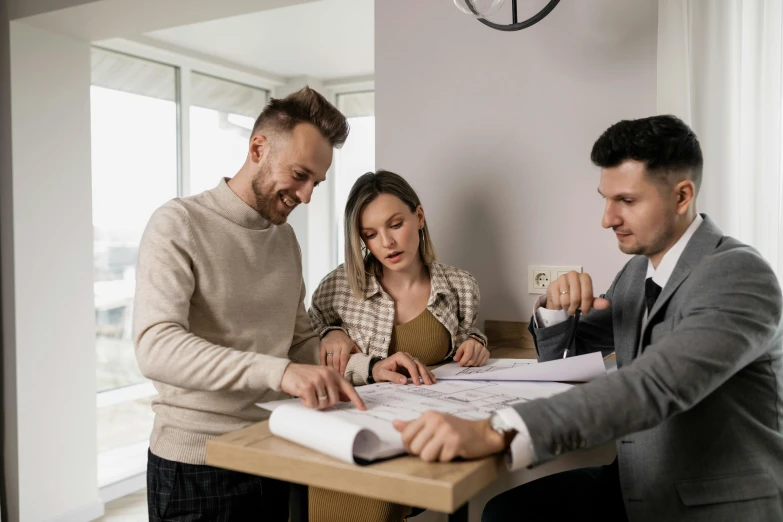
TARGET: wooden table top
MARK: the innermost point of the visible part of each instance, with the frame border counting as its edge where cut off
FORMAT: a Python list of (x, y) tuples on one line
[(405, 480)]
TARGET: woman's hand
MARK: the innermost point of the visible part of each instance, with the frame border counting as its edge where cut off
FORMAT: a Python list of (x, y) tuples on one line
[(336, 348), (471, 353), (398, 367)]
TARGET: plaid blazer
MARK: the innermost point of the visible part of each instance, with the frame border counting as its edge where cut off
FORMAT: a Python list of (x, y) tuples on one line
[(369, 321)]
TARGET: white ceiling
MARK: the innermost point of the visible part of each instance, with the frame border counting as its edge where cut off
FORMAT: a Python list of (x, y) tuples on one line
[(326, 39)]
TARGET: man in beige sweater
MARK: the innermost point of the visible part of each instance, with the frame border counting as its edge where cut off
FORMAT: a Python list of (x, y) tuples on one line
[(219, 315)]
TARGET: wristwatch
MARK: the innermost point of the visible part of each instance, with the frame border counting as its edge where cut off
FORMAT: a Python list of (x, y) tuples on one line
[(497, 423)]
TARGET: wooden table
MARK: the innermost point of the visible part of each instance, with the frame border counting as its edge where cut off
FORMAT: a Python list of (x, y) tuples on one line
[(404, 480), (407, 480)]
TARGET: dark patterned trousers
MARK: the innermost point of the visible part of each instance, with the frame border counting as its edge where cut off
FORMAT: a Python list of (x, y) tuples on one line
[(180, 492)]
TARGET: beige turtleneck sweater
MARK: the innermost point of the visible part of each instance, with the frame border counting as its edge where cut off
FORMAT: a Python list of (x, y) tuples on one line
[(218, 316)]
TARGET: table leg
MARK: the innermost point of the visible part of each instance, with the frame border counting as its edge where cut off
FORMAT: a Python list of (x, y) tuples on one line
[(461, 515), (300, 508)]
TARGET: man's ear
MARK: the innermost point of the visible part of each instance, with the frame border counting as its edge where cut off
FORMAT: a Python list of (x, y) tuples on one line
[(685, 192), (259, 146)]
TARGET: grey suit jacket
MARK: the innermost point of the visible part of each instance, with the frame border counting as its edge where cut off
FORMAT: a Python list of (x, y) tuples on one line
[(697, 414)]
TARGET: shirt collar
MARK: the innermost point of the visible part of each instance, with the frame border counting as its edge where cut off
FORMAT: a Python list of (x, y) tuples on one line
[(372, 286), (665, 268), (223, 200), (438, 280)]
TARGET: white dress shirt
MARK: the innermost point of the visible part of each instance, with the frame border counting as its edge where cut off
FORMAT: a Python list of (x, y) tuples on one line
[(521, 449)]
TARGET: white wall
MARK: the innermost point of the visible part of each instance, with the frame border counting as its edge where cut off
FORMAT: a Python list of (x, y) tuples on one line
[(494, 130), (52, 279), (100, 19), (25, 8), (7, 353)]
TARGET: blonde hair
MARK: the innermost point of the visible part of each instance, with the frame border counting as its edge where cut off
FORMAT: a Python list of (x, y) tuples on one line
[(359, 261)]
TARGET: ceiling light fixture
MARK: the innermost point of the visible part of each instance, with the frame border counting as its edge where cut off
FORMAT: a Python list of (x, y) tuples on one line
[(481, 9)]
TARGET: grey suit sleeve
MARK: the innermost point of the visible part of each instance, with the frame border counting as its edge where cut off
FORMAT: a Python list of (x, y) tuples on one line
[(722, 328), (593, 333)]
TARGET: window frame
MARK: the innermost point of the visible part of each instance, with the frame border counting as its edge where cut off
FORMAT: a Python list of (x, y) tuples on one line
[(335, 211), (132, 458), (335, 89), (118, 484)]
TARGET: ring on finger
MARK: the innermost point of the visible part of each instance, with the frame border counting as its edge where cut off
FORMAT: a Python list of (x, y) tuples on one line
[(322, 398), (564, 292), (329, 353)]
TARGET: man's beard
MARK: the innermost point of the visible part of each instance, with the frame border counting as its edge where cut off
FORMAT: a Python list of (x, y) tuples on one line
[(658, 244), (266, 202)]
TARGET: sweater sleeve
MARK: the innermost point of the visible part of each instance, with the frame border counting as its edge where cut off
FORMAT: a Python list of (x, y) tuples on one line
[(306, 342), (166, 350)]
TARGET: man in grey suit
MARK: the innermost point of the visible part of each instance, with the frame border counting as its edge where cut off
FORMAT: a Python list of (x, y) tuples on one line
[(694, 317)]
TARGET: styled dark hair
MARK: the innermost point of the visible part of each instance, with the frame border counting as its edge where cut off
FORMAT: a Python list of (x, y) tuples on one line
[(665, 144), (304, 106)]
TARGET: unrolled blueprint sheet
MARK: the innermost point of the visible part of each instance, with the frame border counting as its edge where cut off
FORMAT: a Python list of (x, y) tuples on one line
[(581, 368), (345, 432)]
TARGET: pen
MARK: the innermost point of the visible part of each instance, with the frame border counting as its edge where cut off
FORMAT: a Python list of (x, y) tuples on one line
[(572, 333)]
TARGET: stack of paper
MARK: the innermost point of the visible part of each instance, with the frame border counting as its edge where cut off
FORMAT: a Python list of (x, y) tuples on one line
[(582, 368), (472, 393)]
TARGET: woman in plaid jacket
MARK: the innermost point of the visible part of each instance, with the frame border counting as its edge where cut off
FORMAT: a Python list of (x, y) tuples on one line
[(389, 312), (391, 309)]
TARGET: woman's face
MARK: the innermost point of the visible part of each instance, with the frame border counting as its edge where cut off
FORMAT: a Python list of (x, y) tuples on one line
[(391, 232)]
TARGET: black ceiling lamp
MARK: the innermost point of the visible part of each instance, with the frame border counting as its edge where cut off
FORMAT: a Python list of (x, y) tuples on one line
[(481, 9)]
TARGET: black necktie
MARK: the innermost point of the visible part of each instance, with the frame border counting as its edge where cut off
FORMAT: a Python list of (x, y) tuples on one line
[(651, 293)]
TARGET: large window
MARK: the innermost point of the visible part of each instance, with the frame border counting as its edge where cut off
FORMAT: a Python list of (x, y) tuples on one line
[(167, 126), (134, 171), (222, 114), (139, 141), (357, 155)]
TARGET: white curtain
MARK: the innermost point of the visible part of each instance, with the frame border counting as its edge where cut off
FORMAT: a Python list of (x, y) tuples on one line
[(719, 69)]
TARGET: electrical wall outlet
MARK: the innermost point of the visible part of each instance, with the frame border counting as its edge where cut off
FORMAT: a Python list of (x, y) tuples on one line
[(557, 271), (539, 276)]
